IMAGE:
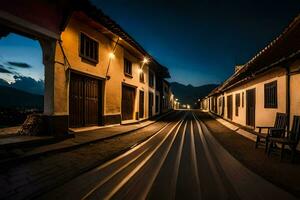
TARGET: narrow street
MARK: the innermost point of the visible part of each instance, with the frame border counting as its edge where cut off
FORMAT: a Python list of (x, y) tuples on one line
[(180, 161)]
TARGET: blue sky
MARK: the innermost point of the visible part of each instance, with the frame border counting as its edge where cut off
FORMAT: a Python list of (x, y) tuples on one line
[(16, 49)]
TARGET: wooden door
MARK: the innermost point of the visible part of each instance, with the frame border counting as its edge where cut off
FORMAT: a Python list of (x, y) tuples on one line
[(156, 104), (91, 101), (250, 107), (151, 104), (84, 101), (229, 107), (128, 99), (76, 101), (141, 105), (223, 106)]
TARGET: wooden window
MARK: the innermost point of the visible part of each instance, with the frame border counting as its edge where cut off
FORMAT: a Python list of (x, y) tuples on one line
[(151, 79), (237, 103), (127, 67), (142, 77), (271, 95), (88, 48)]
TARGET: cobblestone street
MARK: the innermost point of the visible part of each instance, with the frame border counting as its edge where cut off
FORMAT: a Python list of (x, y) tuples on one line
[(53, 176), (34, 177)]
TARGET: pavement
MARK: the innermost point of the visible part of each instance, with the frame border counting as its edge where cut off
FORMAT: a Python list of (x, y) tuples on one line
[(182, 160), (282, 173), (8, 131), (235, 128), (41, 145), (29, 178)]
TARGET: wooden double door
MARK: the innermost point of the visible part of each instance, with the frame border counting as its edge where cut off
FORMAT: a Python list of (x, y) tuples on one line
[(128, 99), (84, 101)]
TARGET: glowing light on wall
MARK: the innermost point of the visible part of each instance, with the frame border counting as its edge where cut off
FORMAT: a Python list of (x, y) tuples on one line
[(111, 55), (146, 60)]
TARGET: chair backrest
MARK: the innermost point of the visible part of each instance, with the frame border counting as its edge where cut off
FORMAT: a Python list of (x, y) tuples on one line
[(281, 120), (295, 132)]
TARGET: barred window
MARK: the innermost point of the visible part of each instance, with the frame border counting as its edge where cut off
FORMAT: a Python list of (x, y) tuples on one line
[(237, 103), (88, 48), (127, 67), (151, 79), (142, 77), (271, 95)]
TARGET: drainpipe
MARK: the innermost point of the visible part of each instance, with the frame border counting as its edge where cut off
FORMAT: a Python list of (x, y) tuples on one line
[(288, 95)]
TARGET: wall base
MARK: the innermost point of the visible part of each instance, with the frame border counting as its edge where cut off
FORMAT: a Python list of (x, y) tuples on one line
[(58, 125), (111, 119)]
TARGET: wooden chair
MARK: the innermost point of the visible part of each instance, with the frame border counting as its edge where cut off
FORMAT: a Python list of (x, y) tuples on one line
[(278, 130), (291, 140)]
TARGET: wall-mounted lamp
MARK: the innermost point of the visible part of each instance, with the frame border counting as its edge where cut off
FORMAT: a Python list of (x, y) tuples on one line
[(111, 55), (146, 60)]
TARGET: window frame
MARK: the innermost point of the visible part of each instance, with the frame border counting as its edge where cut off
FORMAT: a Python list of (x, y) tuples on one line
[(271, 95), (127, 61), (151, 81), (142, 74), (85, 39)]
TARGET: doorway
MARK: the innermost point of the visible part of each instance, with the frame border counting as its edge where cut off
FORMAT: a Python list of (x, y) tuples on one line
[(128, 99), (141, 105), (229, 107), (250, 107), (151, 104), (84, 101)]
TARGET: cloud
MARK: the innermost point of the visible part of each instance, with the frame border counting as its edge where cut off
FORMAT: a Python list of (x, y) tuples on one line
[(4, 82), (19, 64), (4, 71), (26, 84)]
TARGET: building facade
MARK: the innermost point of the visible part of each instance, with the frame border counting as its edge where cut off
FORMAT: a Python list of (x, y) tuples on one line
[(267, 84), (95, 73), (167, 100)]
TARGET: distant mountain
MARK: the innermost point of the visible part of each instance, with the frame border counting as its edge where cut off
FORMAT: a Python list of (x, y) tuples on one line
[(12, 98), (188, 94), (26, 84)]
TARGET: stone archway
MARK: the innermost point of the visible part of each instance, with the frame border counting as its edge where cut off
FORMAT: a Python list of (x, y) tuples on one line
[(50, 122)]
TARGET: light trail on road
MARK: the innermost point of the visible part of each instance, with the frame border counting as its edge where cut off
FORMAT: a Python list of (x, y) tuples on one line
[(180, 161)]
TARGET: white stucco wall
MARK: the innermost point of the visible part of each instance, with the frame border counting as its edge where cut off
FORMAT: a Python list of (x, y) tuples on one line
[(263, 116), (295, 89)]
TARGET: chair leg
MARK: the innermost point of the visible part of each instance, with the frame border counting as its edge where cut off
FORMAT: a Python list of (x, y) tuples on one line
[(282, 151), (267, 142), (293, 153), (269, 148), (257, 141)]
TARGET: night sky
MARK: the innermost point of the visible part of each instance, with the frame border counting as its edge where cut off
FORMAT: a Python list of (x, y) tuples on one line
[(199, 41)]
